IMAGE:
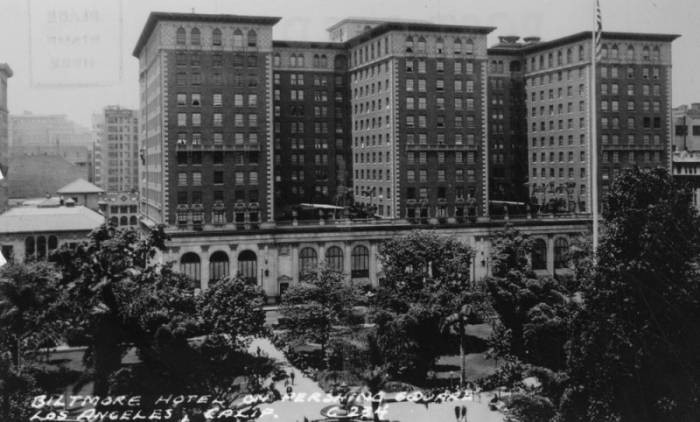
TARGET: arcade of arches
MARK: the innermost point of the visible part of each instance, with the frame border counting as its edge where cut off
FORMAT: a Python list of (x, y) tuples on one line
[(277, 260)]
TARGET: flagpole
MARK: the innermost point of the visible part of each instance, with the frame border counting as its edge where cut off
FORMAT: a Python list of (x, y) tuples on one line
[(597, 25)]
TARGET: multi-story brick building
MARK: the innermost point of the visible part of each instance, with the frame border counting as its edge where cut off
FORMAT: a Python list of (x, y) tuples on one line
[(507, 124), (5, 74), (419, 120), (312, 144), (633, 89), (206, 120), (117, 133)]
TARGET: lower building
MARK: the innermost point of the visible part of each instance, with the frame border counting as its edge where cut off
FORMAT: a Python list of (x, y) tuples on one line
[(277, 258), (33, 232), (120, 208), (686, 169)]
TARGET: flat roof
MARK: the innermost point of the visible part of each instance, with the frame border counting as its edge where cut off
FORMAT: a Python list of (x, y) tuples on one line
[(49, 219), (155, 17), (579, 36), (418, 26)]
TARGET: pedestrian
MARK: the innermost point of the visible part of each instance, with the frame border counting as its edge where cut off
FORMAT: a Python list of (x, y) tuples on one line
[(258, 351), (457, 413), (464, 413), (289, 390), (291, 375)]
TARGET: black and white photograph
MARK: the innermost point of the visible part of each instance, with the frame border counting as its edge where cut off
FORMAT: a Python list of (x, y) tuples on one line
[(345, 211)]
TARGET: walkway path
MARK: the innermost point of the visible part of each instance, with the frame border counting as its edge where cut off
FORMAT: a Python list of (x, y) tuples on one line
[(295, 411)]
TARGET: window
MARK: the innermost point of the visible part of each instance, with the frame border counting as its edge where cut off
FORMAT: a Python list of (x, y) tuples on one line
[(195, 36), (180, 36), (237, 39), (334, 258), (561, 250), (190, 265), (248, 266), (539, 255), (308, 261), (252, 39), (360, 262), (216, 36)]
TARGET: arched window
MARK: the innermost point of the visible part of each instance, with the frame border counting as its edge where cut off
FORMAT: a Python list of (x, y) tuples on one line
[(276, 60), (340, 62), (300, 60), (252, 39), (248, 266), (631, 53), (293, 60), (645, 53), (614, 53), (114, 220), (237, 39), (29, 247), (440, 46), (124, 221), (334, 258), (53, 243), (569, 56), (559, 58), (190, 265), (218, 266), (180, 36), (581, 53), (469, 47), (308, 261), (561, 249), (604, 51), (409, 44), (360, 262), (324, 61), (41, 247), (195, 36), (317, 60), (133, 221), (539, 255), (656, 53), (457, 46), (421, 45), (216, 36)]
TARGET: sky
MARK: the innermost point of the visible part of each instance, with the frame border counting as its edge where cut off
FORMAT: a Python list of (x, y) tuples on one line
[(74, 57)]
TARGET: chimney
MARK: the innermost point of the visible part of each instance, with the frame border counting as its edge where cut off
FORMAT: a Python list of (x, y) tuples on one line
[(531, 40)]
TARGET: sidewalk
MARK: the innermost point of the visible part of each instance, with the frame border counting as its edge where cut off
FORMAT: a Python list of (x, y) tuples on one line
[(301, 406)]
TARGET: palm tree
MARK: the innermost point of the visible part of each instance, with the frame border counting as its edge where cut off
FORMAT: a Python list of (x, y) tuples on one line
[(470, 311)]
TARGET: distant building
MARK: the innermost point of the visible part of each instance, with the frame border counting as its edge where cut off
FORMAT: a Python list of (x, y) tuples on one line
[(53, 134), (686, 133), (82, 193), (33, 232), (5, 74), (120, 208), (117, 149), (34, 176)]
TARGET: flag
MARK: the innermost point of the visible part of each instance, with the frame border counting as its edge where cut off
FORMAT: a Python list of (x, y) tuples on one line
[(598, 30)]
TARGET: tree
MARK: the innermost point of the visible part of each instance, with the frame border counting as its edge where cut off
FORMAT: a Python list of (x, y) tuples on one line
[(533, 312), (427, 292), (633, 354), (315, 307), (28, 309)]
